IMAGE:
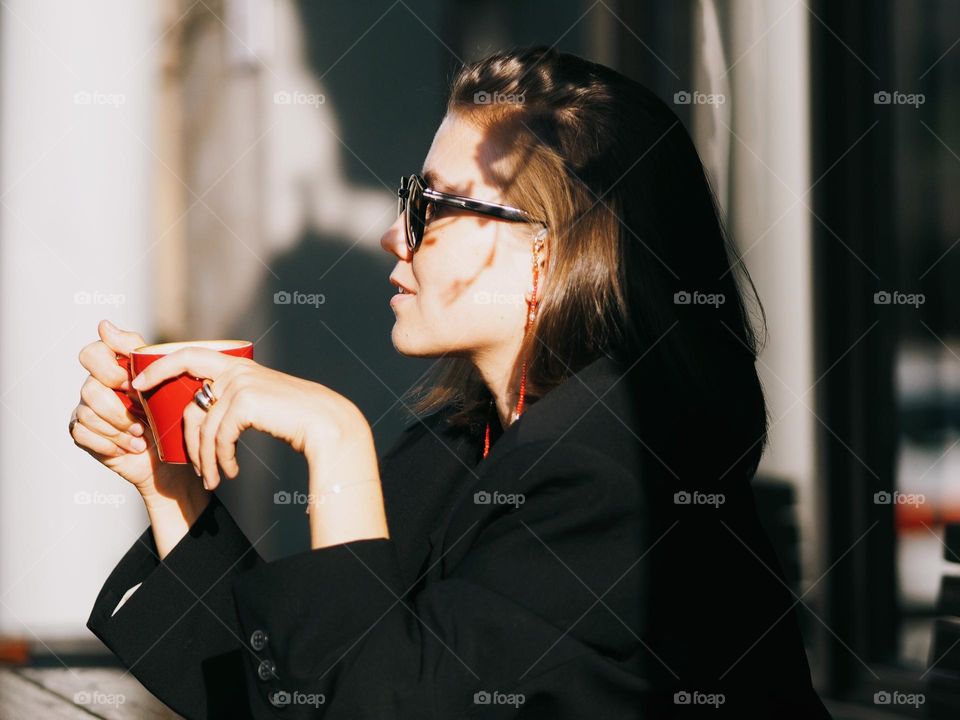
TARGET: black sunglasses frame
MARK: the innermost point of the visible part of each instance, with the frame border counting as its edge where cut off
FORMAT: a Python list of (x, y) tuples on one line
[(414, 196)]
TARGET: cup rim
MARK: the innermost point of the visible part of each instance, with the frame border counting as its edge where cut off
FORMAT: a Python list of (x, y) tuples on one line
[(152, 348)]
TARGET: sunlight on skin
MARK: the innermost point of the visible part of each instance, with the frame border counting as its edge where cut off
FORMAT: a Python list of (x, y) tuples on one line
[(471, 274)]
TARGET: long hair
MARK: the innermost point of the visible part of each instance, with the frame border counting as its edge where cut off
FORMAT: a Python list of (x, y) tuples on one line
[(639, 260)]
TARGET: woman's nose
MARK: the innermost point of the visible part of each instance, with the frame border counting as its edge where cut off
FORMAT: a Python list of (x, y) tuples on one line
[(394, 240)]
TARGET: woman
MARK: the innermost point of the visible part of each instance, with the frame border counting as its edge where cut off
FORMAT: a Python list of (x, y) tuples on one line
[(568, 531)]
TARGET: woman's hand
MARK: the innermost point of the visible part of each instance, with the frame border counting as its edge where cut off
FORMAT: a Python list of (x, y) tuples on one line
[(101, 425), (303, 414)]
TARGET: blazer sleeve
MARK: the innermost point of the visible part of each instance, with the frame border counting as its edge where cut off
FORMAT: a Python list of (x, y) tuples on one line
[(178, 632), (531, 610)]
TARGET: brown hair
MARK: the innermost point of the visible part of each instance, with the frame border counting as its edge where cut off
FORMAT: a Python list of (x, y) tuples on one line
[(632, 223)]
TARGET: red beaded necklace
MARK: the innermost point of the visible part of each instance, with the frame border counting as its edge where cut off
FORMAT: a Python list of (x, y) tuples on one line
[(531, 316)]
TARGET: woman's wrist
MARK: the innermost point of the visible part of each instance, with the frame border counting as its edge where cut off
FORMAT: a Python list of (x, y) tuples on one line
[(172, 514), (345, 501), (176, 485)]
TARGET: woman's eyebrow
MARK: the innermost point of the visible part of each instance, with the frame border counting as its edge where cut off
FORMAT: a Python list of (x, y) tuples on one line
[(436, 182)]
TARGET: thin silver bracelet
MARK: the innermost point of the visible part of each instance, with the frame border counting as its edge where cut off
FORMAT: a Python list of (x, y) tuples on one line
[(337, 488)]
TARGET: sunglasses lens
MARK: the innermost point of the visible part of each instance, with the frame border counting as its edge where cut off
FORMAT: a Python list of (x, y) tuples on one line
[(415, 214)]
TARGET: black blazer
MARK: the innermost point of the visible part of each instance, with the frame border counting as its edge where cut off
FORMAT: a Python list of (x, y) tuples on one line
[(560, 577)]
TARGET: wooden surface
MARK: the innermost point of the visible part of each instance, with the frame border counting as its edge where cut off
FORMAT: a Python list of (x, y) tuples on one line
[(59, 693)]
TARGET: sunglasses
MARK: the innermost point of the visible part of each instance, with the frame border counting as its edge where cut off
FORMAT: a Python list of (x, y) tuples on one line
[(417, 203)]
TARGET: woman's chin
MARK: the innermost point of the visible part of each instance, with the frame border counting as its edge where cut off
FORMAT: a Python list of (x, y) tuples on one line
[(410, 346), (404, 344)]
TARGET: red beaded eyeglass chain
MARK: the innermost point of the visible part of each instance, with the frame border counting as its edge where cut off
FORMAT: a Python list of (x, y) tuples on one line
[(531, 316)]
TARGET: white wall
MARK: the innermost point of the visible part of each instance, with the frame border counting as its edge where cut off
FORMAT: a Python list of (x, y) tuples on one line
[(76, 89)]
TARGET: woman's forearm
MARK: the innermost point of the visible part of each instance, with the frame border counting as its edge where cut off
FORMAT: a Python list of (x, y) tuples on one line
[(345, 500), (171, 516)]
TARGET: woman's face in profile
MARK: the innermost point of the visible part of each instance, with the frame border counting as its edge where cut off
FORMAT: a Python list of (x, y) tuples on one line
[(471, 273)]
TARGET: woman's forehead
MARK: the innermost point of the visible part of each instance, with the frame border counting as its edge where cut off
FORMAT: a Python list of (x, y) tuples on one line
[(460, 160)]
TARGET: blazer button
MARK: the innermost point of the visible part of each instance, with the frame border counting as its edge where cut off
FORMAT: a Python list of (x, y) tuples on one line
[(258, 640), (266, 670)]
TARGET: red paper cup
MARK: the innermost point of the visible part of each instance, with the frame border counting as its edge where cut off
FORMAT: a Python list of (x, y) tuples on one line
[(162, 405)]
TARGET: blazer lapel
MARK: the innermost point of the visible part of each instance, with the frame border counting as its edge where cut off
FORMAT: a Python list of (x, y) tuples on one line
[(551, 417), (420, 478)]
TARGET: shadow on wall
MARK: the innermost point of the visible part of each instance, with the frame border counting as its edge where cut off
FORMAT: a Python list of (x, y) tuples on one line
[(343, 342)]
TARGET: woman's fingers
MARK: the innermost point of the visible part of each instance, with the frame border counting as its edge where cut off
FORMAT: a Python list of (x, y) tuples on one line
[(196, 361), (208, 449), (101, 362), (234, 422), (100, 358), (226, 447), (87, 439), (201, 431), (119, 341), (93, 422), (193, 416), (105, 403)]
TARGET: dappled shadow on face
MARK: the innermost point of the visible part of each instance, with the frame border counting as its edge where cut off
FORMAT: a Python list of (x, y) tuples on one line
[(446, 218), (502, 152), (495, 156)]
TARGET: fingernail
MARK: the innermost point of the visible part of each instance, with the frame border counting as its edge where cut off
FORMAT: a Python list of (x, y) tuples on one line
[(137, 382), (206, 485), (125, 385), (136, 429), (196, 470), (138, 444)]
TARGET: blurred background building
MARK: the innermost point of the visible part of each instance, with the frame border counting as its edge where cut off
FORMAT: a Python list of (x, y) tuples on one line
[(197, 168)]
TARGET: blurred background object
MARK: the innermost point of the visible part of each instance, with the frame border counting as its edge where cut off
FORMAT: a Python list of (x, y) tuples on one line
[(225, 168)]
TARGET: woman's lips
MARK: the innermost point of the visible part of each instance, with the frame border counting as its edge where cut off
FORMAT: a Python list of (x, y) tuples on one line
[(399, 298), (402, 291)]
